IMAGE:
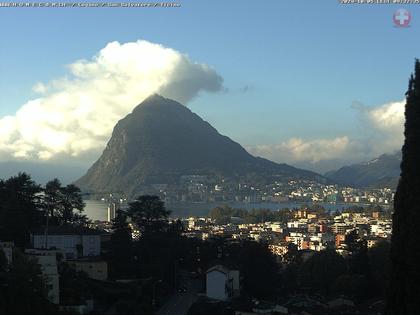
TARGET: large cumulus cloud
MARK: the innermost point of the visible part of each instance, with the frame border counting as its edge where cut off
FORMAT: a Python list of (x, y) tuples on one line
[(298, 149), (382, 132), (74, 115)]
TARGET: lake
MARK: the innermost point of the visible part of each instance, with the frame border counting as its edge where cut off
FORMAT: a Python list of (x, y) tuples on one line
[(97, 210)]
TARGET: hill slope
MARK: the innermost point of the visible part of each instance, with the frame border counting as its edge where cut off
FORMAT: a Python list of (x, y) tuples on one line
[(383, 171), (162, 140)]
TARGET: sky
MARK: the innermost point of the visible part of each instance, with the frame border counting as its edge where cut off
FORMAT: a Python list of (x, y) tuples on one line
[(316, 84)]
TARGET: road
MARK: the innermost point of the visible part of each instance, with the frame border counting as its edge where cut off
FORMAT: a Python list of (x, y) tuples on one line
[(180, 303)]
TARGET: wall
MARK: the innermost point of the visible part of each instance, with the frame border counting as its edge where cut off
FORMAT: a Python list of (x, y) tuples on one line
[(216, 285)]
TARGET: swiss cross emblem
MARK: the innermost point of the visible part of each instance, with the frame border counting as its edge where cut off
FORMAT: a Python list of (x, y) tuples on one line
[(402, 18)]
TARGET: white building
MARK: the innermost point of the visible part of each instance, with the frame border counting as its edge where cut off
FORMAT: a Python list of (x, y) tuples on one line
[(222, 283), (276, 227), (297, 225), (112, 211), (74, 242), (95, 268)]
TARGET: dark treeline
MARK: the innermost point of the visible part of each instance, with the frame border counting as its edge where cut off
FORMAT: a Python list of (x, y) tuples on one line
[(152, 258), (404, 295), (224, 215), (361, 275), (25, 205)]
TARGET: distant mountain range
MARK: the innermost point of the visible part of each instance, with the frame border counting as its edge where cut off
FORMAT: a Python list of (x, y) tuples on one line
[(162, 140), (383, 171)]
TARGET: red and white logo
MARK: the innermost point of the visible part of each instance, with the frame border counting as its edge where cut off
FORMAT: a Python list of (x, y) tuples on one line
[(402, 18)]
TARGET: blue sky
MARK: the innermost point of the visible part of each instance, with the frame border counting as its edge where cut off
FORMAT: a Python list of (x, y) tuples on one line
[(291, 69)]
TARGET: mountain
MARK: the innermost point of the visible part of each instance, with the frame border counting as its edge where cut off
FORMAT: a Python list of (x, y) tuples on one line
[(383, 171), (162, 140)]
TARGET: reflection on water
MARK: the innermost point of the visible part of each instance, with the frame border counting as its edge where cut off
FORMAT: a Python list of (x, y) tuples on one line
[(186, 209), (96, 210)]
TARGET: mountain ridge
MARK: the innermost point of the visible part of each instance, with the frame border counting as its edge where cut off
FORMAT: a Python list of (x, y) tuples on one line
[(383, 171), (162, 140)]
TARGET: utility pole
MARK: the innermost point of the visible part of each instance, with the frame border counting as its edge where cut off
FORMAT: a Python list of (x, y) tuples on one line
[(46, 231)]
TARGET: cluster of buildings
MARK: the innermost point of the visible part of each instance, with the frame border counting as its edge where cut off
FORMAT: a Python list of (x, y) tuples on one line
[(377, 196), (79, 247), (309, 231), (201, 188)]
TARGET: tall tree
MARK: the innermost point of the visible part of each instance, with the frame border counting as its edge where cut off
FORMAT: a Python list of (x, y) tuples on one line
[(19, 208), (24, 289), (121, 247), (63, 204), (3, 261), (259, 269), (404, 294), (149, 214), (72, 205), (321, 270), (52, 197), (380, 266)]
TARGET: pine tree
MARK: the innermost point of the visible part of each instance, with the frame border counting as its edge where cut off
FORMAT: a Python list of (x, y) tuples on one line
[(404, 293)]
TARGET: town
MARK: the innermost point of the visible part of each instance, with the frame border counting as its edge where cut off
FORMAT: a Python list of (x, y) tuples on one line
[(234, 260), (206, 189)]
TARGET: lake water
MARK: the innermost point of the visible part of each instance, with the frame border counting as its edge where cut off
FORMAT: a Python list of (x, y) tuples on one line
[(97, 210)]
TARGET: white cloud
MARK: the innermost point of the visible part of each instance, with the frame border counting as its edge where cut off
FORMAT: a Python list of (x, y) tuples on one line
[(386, 125), (382, 133), (388, 117), (74, 116), (39, 88), (298, 149)]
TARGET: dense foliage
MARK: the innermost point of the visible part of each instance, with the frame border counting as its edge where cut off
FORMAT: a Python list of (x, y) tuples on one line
[(25, 205), (149, 214), (23, 288), (20, 208), (224, 215), (404, 296), (64, 204), (360, 276)]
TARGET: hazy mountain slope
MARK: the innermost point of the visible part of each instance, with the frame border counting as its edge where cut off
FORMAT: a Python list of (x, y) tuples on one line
[(383, 171)]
